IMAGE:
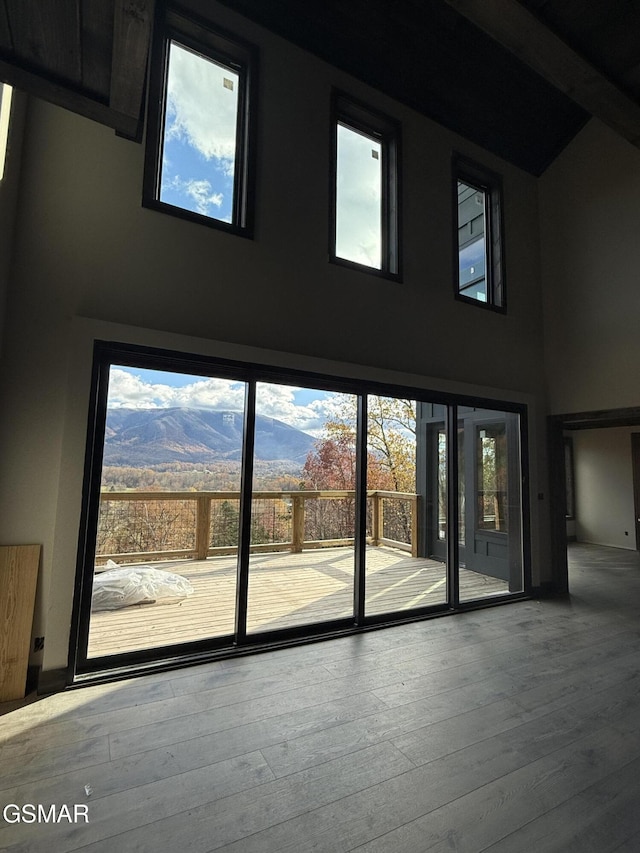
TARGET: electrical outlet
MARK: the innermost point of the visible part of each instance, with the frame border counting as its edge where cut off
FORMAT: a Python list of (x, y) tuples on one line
[(38, 644)]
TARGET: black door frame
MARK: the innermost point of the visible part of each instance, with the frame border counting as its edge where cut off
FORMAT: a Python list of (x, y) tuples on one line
[(635, 466), (556, 427)]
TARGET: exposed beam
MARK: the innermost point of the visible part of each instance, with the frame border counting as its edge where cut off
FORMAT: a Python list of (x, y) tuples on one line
[(62, 95), (131, 40), (526, 37), (97, 45)]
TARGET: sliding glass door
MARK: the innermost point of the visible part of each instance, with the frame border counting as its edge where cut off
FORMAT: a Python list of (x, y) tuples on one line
[(229, 505), (164, 569), (301, 567), (406, 484)]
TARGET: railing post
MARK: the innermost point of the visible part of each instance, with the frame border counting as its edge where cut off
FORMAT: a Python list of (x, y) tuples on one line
[(297, 523), (203, 526), (377, 521), (414, 526)]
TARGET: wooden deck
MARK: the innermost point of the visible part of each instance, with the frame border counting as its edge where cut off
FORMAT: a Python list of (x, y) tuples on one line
[(285, 590)]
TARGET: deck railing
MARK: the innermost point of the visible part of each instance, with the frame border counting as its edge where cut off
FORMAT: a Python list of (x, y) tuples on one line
[(136, 526)]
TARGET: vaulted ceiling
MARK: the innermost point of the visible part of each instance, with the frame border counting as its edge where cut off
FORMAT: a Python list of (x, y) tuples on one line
[(519, 77)]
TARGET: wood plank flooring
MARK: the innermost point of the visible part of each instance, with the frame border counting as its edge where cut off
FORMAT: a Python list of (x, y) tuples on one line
[(508, 730), (285, 590)]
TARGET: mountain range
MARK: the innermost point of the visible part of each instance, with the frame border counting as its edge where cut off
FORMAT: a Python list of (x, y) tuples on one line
[(147, 437)]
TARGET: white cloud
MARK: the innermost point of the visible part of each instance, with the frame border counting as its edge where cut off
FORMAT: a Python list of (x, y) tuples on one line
[(201, 106), (278, 401), (359, 195), (127, 390), (200, 191)]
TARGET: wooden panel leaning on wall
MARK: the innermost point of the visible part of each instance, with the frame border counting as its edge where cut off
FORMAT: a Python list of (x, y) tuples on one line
[(18, 576)]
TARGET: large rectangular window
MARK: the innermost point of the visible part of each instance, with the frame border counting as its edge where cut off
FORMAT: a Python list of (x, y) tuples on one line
[(478, 235), (198, 161), (365, 226)]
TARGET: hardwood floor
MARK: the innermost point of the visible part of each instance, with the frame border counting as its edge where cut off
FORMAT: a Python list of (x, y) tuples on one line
[(508, 729), (285, 590)]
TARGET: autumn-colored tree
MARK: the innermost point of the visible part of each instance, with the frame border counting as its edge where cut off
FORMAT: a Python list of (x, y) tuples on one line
[(332, 464), (390, 457), (391, 438)]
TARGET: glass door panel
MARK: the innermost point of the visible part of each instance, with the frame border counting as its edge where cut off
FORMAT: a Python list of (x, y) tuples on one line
[(462, 503), (490, 477), (301, 568), (167, 533), (406, 505)]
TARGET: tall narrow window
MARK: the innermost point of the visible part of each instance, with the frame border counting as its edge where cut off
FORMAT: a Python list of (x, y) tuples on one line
[(5, 112), (365, 228), (478, 235), (198, 151)]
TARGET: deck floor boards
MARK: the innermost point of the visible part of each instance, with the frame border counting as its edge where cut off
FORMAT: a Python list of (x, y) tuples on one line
[(285, 590), (502, 730)]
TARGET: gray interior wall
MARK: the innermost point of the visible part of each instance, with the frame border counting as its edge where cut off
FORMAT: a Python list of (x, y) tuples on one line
[(589, 226), (604, 486), (85, 248)]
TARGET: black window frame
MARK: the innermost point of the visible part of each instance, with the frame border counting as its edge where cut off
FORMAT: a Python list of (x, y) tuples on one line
[(224, 49), (351, 113), (488, 182)]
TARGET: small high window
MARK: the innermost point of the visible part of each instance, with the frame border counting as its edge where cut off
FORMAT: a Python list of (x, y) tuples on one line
[(365, 218), (198, 161), (478, 235)]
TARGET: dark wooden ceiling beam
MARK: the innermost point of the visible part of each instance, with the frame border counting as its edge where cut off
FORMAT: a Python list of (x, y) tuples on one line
[(97, 44), (64, 96), (131, 38), (514, 27), (47, 36)]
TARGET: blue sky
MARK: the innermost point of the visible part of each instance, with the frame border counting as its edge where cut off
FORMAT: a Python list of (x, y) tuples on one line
[(198, 154), (304, 408)]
